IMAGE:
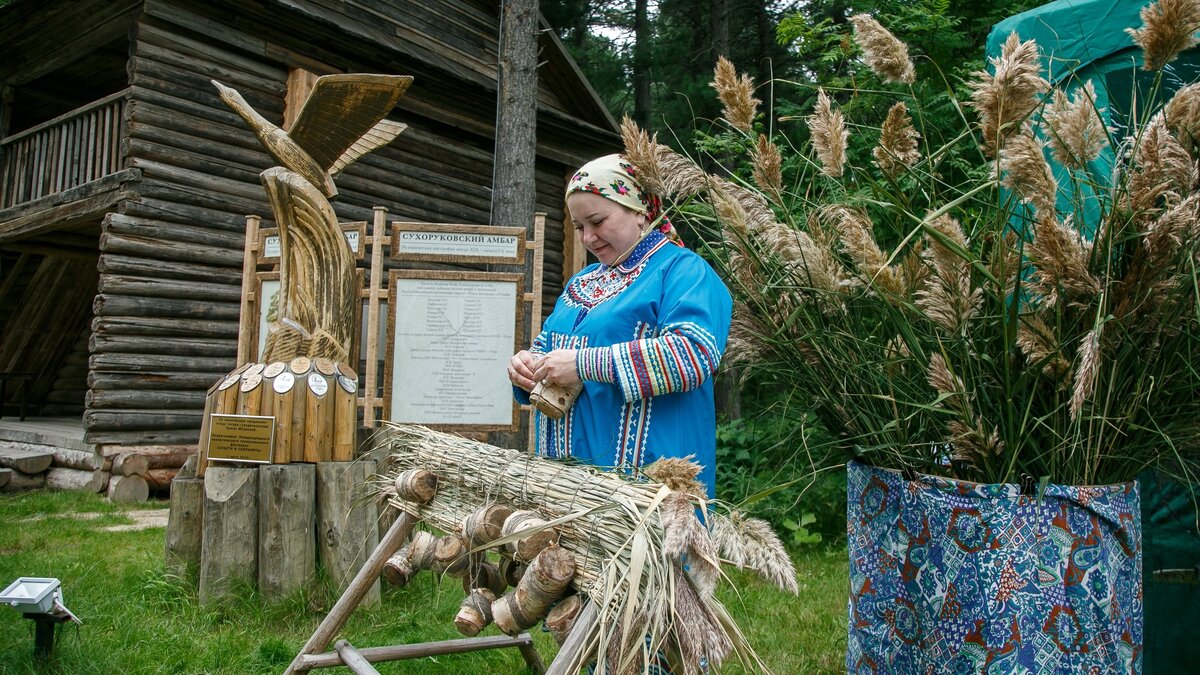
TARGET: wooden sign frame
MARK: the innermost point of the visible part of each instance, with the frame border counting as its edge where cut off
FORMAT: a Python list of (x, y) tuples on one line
[(360, 227), (518, 282), (401, 227)]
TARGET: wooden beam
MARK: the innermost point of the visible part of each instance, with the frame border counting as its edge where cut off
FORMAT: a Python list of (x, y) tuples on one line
[(68, 208), (401, 652)]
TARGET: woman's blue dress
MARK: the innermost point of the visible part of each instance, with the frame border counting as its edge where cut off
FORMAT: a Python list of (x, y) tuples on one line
[(651, 333)]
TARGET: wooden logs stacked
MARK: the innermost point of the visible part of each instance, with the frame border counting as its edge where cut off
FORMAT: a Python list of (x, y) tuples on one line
[(314, 403), (125, 474)]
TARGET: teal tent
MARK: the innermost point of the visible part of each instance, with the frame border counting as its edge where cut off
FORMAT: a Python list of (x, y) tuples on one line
[(1085, 41)]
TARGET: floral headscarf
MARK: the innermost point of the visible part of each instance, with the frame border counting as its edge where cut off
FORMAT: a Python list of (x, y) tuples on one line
[(615, 179)]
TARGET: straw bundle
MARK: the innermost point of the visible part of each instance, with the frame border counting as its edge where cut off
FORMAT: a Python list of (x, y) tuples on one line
[(612, 527)]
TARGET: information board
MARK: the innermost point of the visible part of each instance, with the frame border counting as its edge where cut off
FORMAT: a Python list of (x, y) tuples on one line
[(450, 336)]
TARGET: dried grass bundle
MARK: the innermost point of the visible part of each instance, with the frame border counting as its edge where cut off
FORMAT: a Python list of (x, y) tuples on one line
[(1005, 99), (947, 297), (897, 149), (883, 52), (971, 442), (1024, 169), (613, 527), (1076, 133), (829, 135), (1168, 27), (736, 94), (678, 474), (750, 544)]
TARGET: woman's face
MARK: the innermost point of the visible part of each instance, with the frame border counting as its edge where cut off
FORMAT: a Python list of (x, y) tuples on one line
[(607, 229)]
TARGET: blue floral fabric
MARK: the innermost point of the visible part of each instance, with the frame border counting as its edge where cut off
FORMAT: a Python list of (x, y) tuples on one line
[(949, 576)]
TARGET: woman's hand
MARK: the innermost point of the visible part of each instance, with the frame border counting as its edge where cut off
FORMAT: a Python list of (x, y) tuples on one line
[(557, 367), (520, 370)]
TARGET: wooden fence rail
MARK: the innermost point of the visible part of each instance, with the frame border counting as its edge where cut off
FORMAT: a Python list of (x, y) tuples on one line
[(72, 149)]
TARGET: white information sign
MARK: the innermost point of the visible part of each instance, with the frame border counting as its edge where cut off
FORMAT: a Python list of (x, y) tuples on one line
[(452, 342), (271, 243), (457, 244)]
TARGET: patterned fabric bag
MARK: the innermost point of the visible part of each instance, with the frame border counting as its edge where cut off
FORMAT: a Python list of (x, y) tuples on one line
[(948, 576)]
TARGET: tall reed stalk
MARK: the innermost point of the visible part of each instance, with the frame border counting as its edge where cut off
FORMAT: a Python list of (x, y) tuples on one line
[(990, 329)]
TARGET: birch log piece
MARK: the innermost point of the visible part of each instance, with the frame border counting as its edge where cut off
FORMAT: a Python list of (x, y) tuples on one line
[(561, 618), (450, 557), (475, 612), (485, 524), (63, 478), (19, 481), (526, 549), (511, 570), (543, 583), (413, 557), (484, 575), (83, 460), (184, 527), (128, 489), (129, 464), (416, 485)]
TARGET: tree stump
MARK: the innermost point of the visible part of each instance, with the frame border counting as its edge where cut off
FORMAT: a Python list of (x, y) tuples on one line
[(184, 527), (229, 554), (346, 536), (287, 554)]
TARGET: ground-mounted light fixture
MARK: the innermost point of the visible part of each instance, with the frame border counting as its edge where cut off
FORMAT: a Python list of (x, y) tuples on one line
[(40, 600)]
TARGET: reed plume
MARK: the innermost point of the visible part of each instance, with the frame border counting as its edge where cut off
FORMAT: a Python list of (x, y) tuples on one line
[(1168, 27), (1163, 172), (897, 149), (947, 297), (1038, 341), (1076, 133), (1024, 168), (1183, 117), (859, 243), (885, 54), (768, 168), (736, 94), (829, 136), (1060, 261), (1086, 371), (1004, 99), (971, 442)]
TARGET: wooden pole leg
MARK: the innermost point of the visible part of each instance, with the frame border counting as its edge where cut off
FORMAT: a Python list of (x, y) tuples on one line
[(530, 654), (358, 587)]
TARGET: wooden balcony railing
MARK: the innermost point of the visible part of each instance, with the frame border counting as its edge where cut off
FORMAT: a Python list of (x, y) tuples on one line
[(67, 151)]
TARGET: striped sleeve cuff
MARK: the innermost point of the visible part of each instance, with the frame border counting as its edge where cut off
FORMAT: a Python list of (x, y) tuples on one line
[(595, 364)]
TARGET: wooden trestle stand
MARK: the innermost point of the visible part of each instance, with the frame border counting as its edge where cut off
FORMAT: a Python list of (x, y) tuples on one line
[(312, 655)]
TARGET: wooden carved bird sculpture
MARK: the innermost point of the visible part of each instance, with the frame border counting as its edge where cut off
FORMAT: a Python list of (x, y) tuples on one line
[(342, 120)]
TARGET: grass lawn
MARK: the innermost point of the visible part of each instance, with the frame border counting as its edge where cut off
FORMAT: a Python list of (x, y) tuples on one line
[(137, 620)]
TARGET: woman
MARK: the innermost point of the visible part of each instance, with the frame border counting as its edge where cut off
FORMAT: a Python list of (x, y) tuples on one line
[(643, 330)]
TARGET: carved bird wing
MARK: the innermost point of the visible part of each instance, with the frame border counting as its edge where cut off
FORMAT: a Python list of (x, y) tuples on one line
[(342, 110)]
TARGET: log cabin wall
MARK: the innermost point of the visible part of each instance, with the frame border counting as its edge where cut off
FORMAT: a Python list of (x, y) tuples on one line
[(166, 311)]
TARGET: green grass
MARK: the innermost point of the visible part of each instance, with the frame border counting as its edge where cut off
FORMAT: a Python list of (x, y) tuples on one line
[(138, 620)]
